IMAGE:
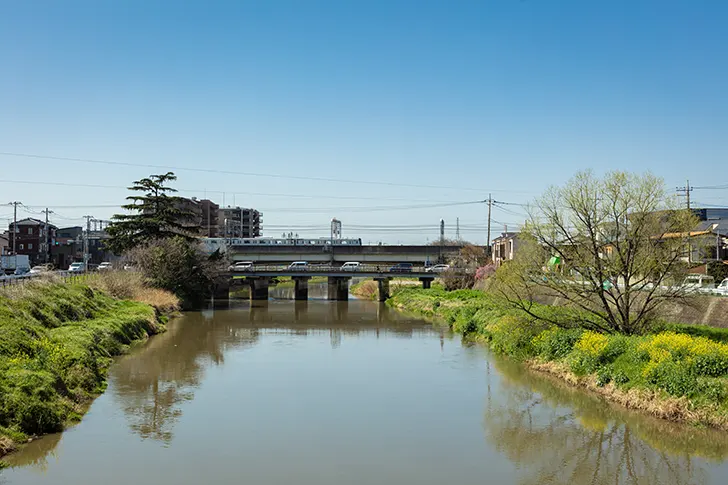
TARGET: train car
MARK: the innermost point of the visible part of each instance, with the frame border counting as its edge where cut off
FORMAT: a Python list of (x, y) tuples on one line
[(213, 244)]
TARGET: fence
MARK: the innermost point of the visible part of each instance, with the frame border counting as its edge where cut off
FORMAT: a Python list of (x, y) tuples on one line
[(7, 281)]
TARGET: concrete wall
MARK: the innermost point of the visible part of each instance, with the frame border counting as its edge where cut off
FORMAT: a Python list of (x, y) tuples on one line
[(703, 310)]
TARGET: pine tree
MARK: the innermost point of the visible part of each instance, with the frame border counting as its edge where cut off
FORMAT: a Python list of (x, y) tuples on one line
[(154, 215)]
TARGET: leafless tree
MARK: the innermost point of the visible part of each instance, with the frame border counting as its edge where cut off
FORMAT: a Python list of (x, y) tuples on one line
[(613, 248)]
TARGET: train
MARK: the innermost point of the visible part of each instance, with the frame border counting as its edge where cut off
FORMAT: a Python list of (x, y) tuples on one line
[(213, 244)]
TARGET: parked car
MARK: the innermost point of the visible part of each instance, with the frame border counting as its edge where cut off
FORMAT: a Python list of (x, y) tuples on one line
[(298, 265), (722, 288), (105, 266), (241, 266), (699, 283), (401, 268), (40, 269), (76, 268), (438, 268), (351, 266)]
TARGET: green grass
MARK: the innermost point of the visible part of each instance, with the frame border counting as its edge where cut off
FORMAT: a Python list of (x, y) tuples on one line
[(56, 344), (675, 360)]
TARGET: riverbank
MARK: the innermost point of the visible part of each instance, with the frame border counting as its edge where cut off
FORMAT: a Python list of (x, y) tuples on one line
[(57, 341), (679, 372), (369, 289)]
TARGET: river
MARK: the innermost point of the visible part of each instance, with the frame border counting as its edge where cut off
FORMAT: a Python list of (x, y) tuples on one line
[(354, 393)]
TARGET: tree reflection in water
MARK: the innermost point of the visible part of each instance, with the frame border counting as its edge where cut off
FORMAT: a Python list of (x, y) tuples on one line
[(153, 383), (557, 434)]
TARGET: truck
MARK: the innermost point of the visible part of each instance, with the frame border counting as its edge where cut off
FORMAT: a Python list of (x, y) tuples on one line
[(9, 263)]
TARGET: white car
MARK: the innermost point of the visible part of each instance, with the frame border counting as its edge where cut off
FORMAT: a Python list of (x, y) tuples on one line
[(351, 266), (699, 283), (40, 269), (105, 267), (241, 266), (298, 265), (438, 268), (722, 288), (76, 268)]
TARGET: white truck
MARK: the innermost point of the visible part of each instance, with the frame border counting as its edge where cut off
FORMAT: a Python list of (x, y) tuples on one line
[(9, 264)]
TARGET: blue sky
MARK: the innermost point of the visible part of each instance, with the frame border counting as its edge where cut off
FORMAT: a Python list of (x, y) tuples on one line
[(501, 96)]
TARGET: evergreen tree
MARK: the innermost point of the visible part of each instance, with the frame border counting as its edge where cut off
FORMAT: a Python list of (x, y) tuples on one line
[(154, 215)]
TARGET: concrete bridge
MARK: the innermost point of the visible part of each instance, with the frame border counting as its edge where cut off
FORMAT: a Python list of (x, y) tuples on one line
[(373, 254), (259, 279)]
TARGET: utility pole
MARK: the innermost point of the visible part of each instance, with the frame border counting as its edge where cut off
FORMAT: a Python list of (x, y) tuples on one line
[(457, 229), (85, 242), (47, 234), (487, 243), (685, 192), (15, 229)]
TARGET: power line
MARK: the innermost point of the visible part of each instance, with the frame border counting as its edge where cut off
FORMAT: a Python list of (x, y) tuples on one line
[(247, 174), (199, 191)]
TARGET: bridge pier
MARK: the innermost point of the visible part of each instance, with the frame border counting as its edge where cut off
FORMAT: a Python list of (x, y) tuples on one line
[(301, 287), (426, 283), (221, 290), (259, 288), (339, 288), (383, 288)]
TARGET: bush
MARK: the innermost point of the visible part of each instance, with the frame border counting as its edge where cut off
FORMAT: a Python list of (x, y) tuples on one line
[(178, 266), (556, 343)]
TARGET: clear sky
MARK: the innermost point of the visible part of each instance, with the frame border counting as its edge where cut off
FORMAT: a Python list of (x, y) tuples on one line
[(499, 96)]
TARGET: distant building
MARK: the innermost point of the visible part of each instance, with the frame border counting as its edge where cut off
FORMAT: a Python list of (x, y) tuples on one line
[(201, 217), (239, 222), (68, 247), (33, 238), (505, 247), (5, 243)]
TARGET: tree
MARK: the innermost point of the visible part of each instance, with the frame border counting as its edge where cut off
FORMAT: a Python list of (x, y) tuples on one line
[(612, 248), (464, 266), (176, 265), (155, 215)]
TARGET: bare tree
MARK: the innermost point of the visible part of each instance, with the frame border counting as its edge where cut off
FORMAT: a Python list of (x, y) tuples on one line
[(612, 248)]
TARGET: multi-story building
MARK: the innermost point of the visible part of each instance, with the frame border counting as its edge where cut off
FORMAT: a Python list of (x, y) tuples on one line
[(33, 238), (239, 222), (201, 216)]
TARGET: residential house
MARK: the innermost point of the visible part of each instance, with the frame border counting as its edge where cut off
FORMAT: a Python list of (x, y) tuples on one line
[(5, 243), (32, 237), (505, 247)]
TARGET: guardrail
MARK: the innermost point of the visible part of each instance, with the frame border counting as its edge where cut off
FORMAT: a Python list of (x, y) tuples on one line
[(67, 276)]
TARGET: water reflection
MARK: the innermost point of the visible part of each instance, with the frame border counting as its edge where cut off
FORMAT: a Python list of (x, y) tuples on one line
[(558, 434), (153, 383), (36, 453)]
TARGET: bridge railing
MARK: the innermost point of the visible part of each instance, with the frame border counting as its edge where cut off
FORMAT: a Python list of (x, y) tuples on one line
[(329, 268)]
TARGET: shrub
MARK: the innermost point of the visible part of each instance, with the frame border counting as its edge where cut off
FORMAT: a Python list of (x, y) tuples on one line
[(514, 336), (674, 377), (556, 343)]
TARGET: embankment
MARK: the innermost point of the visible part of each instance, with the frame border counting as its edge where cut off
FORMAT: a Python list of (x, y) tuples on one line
[(679, 372), (57, 341)]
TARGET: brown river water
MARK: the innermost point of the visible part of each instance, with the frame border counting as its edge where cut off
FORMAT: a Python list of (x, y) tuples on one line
[(319, 393)]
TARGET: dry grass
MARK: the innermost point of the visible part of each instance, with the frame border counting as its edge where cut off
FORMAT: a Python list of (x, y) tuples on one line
[(369, 289), (130, 285), (655, 403)]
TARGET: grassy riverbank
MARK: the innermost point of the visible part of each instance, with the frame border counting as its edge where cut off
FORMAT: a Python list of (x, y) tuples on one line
[(56, 344), (369, 289), (679, 372)]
